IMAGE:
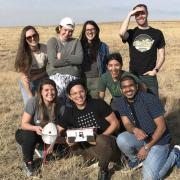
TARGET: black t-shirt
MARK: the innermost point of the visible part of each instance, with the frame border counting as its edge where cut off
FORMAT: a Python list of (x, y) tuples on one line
[(93, 115), (143, 45)]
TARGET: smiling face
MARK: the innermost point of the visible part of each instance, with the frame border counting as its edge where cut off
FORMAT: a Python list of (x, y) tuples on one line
[(78, 96), (114, 68), (48, 93), (141, 16), (90, 32), (65, 33), (32, 38), (129, 89)]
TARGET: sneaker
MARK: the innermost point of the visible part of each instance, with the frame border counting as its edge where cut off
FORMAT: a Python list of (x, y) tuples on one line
[(135, 165), (28, 168), (103, 175), (132, 166), (177, 152)]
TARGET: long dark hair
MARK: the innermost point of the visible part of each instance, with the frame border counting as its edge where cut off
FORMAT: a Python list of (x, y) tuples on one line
[(45, 114), (23, 59), (95, 42)]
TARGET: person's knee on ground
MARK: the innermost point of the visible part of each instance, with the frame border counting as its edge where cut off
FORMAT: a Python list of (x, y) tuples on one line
[(27, 140)]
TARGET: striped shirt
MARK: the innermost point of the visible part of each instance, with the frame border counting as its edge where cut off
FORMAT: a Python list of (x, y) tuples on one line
[(142, 112)]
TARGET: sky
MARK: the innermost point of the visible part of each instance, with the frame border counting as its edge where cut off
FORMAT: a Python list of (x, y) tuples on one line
[(50, 12)]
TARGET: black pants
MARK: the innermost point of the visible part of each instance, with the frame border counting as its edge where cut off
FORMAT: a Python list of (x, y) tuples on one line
[(104, 151), (28, 140)]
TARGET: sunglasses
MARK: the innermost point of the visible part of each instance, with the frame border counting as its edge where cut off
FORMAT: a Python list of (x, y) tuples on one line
[(29, 38)]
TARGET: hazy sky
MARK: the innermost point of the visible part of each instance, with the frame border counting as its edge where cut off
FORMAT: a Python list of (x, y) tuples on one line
[(49, 12)]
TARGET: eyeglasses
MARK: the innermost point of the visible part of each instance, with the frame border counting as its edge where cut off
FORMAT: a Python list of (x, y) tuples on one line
[(29, 38), (91, 30)]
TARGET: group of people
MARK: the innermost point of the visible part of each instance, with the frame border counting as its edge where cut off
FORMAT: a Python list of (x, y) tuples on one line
[(65, 83)]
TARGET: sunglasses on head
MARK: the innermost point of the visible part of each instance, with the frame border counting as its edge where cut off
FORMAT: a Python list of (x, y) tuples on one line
[(29, 38)]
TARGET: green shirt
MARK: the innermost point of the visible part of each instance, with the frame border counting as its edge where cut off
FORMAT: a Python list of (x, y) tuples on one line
[(106, 81)]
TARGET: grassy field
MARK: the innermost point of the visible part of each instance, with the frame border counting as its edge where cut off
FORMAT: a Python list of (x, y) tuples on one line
[(11, 106)]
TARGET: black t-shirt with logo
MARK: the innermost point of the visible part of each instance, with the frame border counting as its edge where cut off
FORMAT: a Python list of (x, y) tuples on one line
[(143, 45), (93, 115)]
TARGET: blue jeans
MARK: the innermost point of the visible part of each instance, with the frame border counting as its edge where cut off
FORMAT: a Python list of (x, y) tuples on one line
[(171, 160), (155, 159), (33, 86)]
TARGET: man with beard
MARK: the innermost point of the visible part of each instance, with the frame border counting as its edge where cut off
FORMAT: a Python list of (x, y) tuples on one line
[(146, 137), (144, 42)]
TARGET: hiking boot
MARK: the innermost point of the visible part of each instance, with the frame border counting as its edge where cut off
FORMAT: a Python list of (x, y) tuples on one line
[(28, 168), (103, 175), (177, 152)]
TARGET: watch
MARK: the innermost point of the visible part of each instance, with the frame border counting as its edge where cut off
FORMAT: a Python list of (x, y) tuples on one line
[(146, 147)]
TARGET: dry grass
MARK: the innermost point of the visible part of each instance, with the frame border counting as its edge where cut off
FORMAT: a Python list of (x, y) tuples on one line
[(11, 106)]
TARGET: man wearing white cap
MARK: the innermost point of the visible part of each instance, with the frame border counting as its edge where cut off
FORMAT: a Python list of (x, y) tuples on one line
[(64, 56)]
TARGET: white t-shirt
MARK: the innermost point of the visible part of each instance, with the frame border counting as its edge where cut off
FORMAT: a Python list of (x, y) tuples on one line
[(39, 59)]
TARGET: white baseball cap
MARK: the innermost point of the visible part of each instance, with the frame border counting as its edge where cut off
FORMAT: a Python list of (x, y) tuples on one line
[(49, 133), (67, 22)]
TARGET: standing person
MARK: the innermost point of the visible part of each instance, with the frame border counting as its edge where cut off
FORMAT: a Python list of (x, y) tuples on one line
[(38, 111), (30, 62), (65, 56), (87, 112), (95, 52), (144, 43), (147, 137)]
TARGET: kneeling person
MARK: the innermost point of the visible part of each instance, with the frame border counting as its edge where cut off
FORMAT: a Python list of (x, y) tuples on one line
[(86, 112)]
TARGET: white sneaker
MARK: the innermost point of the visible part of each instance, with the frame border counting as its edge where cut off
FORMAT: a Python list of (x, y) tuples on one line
[(177, 146)]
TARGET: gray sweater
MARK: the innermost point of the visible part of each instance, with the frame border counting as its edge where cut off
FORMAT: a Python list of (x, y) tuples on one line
[(71, 57)]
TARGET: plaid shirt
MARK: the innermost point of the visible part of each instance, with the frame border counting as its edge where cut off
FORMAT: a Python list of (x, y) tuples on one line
[(146, 107)]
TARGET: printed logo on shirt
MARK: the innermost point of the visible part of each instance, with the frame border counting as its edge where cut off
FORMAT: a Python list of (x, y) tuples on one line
[(87, 120), (143, 42)]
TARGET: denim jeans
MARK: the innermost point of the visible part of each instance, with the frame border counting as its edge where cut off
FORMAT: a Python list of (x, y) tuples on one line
[(33, 86), (171, 160), (155, 159)]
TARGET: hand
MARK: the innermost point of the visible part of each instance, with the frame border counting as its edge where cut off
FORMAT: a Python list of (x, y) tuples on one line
[(38, 130), (151, 73), (133, 12), (142, 154), (70, 144), (24, 78), (50, 149), (139, 134), (58, 55), (92, 143)]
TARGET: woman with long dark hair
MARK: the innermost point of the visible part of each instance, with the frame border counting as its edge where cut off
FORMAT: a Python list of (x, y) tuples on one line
[(39, 111), (30, 62), (95, 52)]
